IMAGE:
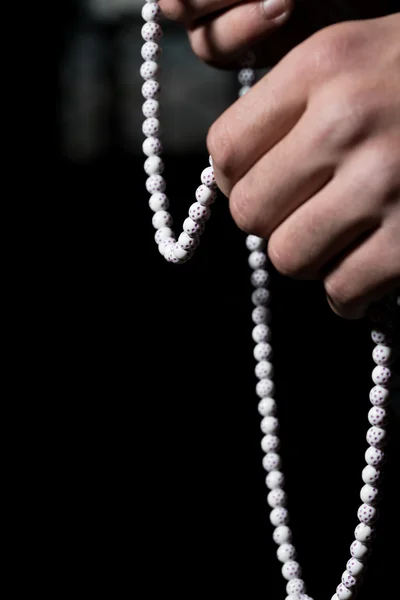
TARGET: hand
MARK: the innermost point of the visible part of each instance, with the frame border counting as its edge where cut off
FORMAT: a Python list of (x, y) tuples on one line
[(310, 159), (220, 31)]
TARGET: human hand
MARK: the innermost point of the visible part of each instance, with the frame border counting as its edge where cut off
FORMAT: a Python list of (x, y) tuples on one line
[(310, 159)]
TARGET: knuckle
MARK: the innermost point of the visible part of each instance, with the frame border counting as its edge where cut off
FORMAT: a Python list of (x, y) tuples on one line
[(329, 49), (220, 147)]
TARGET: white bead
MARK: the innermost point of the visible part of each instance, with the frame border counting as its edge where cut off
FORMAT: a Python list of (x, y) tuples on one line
[(264, 369), (151, 108), (158, 201), (180, 253), (282, 534), (279, 516), (367, 514), (154, 165), (161, 218), (259, 277), (267, 406), (377, 416), (205, 195), (151, 32), (370, 495), (151, 51), (269, 425), (165, 245), (272, 461), (355, 567), (370, 474), (364, 533), (270, 443), (192, 228), (155, 183), (170, 255), (261, 314), (305, 597), (286, 552), (243, 90), (253, 242), (262, 351), (186, 242), (257, 259), (265, 387), (359, 550), (152, 146), (335, 597), (379, 396), (151, 127), (375, 456), (382, 355), (151, 89), (149, 69), (343, 593), (151, 12), (380, 337), (163, 233), (291, 569), (381, 375), (377, 437), (261, 333), (296, 586), (275, 479), (260, 297), (293, 597), (208, 178), (276, 498), (199, 213), (246, 76)]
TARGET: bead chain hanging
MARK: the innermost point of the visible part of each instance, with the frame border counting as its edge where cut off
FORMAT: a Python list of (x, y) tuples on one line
[(182, 249)]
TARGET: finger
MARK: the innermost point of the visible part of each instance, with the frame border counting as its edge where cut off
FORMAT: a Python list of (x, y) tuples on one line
[(365, 275), (223, 37), (187, 11)]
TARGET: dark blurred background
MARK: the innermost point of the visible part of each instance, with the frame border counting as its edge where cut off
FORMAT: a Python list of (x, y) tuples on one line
[(162, 485)]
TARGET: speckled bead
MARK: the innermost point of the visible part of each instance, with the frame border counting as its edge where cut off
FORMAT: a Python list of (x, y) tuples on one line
[(155, 183), (277, 497), (149, 69), (279, 516), (355, 568), (370, 495), (246, 77), (293, 597), (163, 233), (282, 534), (343, 593), (188, 243), (367, 514), (257, 259), (151, 12), (253, 242), (151, 127), (286, 552), (381, 337), (158, 201), (375, 457), (291, 570), (377, 437), (165, 245), (150, 51), (180, 253), (170, 255), (379, 396), (260, 297), (270, 443), (359, 550), (192, 228), (381, 375), (295, 586), (259, 277), (335, 597), (272, 461), (153, 165), (382, 355), (208, 178), (262, 351), (205, 195), (261, 333), (161, 218), (151, 89), (377, 416), (243, 90), (371, 474), (151, 32), (199, 213), (274, 480), (305, 597), (264, 369), (267, 406), (269, 425), (152, 146), (261, 314), (265, 387), (363, 533), (151, 108)]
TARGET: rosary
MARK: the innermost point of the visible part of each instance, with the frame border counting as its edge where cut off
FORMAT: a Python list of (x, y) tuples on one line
[(182, 249)]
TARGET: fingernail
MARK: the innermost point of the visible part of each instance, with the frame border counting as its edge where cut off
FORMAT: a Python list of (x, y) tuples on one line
[(274, 8)]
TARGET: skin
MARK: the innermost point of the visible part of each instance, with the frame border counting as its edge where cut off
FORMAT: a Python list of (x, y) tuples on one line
[(310, 157)]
